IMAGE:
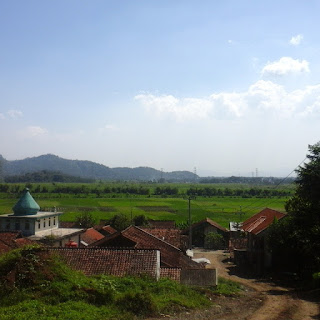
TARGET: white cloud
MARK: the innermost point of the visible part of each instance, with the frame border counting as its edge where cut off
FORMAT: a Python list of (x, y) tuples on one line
[(33, 131), (182, 109), (296, 40), (2, 116), (107, 127), (286, 65), (14, 113), (261, 99)]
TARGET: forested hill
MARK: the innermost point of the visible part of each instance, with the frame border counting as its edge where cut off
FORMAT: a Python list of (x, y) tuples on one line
[(88, 169)]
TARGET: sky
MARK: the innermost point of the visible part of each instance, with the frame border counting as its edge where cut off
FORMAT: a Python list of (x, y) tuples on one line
[(222, 87)]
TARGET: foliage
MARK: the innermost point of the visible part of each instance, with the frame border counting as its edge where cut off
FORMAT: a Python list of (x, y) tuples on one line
[(92, 170), (85, 220), (227, 287), (295, 240), (46, 176), (316, 279), (140, 220), (140, 303), (220, 209), (54, 291), (119, 222), (214, 240)]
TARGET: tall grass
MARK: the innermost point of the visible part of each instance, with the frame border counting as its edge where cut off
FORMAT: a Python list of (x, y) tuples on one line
[(54, 291)]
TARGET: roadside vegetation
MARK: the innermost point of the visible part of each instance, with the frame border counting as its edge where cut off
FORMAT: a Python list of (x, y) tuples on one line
[(35, 285), (295, 240)]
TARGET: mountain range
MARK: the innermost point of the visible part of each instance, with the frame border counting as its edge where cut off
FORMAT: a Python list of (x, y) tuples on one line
[(89, 169)]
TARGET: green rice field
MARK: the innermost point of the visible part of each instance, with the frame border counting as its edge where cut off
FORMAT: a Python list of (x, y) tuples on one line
[(220, 209)]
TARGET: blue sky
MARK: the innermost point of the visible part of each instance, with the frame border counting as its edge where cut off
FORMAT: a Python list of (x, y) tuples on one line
[(223, 86)]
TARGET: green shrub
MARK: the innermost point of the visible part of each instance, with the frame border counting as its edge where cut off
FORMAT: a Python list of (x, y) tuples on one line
[(139, 303), (316, 279), (214, 240), (227, 287)]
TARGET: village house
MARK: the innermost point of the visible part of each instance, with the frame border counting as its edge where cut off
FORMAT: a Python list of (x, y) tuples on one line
[(90, 236), (174, 264), (12, 240), (166, 230), (135, 237), (201, 229), (37, 225), (256, 254), (116, 262)]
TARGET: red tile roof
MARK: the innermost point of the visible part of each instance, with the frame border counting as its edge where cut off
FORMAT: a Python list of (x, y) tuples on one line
[(90, 236), (117, 262), (207, 221), (162, 224), (261, 220), (172, 236), (12, 240), (109, 229), (170, 255), (171, 273)]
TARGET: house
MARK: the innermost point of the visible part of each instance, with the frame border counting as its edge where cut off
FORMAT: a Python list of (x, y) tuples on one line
[(256, 254), (116, 262), (90, 236), (135, 237), (174, 264), (37, 225), (105, 230), (170, 235), (130, 261), (12, 240), (200, 229)]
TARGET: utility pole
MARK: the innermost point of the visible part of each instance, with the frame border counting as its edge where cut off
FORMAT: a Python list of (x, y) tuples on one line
[(190, 227)]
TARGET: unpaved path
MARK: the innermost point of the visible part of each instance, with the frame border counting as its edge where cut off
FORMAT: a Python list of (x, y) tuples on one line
[(260, 301), (278, 304)]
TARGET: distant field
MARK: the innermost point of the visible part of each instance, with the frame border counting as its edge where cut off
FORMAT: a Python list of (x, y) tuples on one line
[(220, 209)]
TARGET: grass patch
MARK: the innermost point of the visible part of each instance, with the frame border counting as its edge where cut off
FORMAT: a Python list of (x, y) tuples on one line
[(221, 209), (227, 287), (36, 285)]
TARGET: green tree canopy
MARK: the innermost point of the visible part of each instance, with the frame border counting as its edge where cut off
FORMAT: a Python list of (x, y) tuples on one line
[(119, 222), (85, 220), (296, 238)]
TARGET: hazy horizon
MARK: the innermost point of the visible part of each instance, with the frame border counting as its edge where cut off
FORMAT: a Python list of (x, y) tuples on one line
[(200, 173), (224, 87)]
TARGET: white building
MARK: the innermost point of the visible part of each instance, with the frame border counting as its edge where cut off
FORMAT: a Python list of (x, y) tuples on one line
[(37, 225)]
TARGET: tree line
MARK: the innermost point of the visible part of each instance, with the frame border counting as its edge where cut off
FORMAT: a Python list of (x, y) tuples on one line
[(142, 190)]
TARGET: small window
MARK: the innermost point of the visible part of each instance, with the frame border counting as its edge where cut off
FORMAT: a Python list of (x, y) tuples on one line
[(39, 225), (54, 221), (49, 222), (44, 223)]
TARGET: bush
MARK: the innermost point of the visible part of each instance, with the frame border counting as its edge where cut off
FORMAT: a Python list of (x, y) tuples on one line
[(316, 279), (214, 240), (139, 303)]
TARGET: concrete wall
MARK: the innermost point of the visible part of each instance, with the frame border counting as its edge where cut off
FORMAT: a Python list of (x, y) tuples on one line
[(199, 277)]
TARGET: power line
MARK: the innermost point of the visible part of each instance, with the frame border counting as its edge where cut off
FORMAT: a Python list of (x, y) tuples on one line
[(276, 186)]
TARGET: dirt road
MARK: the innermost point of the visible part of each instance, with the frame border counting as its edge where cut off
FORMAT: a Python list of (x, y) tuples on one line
[(278, 303)]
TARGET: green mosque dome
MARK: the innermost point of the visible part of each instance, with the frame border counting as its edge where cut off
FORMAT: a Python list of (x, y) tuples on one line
[(26, 205)]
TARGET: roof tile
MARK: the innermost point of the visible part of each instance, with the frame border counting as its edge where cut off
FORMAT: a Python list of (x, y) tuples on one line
[(117, 262), (261, 221)]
